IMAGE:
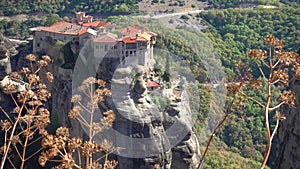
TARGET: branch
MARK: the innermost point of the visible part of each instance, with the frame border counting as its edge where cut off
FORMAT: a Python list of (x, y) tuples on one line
[(275, 130), (273, 108), (12, 164), (254, 100), (261, 71), (216, 130), (33, 154), (5, 113)]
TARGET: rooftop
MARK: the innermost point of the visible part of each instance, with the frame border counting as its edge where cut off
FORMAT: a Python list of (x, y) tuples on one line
[(106, 37)]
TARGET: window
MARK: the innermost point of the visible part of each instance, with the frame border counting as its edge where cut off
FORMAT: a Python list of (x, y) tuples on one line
[(65, 37), (38, 45), (97, 46), (105, 48), (41, 38)]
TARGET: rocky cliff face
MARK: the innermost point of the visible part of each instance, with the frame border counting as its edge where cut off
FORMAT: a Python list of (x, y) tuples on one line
[(288, 146), (150, 136), (7, 50)]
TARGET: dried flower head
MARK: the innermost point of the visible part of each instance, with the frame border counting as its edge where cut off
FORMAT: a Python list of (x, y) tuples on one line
[(42, 63), (68, 161), (271, 40), (25, 70), (42, 159), (288, 97), (279, 116), (15, 75), (48, 141), (286, 58), (31, 57), (258, 53), (49, 77), (88, 148), (76, 98), (281, 76), (33, 78), (46, 58), (74, 143), (74, 112), (63, 131), (110, 164), (5, 125), (10, 88), (107, 145), (109, 118)]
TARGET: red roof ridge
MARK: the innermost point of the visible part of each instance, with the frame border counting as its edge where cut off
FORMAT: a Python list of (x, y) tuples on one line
[(152, 84)]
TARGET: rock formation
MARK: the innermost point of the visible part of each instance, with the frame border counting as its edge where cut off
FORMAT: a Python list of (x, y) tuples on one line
[(162, 138), (288, 146), (7, 50)]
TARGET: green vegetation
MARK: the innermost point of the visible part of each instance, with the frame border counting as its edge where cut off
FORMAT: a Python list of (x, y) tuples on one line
[(250, 3), (63, 6), (235, 31)]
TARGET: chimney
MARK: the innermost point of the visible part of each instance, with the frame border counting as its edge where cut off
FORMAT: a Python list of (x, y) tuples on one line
[(142, 30)]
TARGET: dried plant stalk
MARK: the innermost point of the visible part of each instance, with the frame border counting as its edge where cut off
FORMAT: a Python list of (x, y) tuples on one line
[(29, 116)]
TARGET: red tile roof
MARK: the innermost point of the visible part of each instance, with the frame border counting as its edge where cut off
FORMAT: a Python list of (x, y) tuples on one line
[(133, 34), (97, 24), (152, 84), (64, 28)]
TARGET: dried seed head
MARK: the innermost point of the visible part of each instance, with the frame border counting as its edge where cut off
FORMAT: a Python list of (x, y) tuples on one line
[(74, 112), (31, 57), (258, 53), (62, 131), (15, 75), (281, 75), (10, 88), (46, 58), (109, 118), (279, 116), (110, 164), (33, 78), (5, 125), (42, 159), (96, 165), (76, 98), (25, 70), (48, 141), (49, 77), (68, 161), (107, 145), (271, 40), (88, 148), (74, 143), (288, 97), (42, 63)]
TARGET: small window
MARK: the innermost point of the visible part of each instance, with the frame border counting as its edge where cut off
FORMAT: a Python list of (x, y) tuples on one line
[(38, 45), (97, 46), (105, 48), (65, 37), (41, 38)]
